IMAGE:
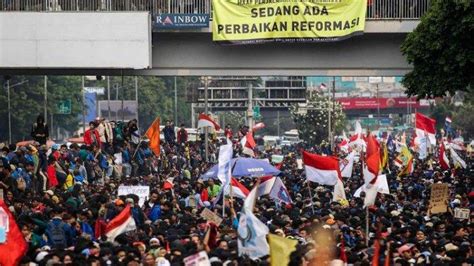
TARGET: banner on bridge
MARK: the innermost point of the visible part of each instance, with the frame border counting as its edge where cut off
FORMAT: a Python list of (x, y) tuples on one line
[(257, 21)]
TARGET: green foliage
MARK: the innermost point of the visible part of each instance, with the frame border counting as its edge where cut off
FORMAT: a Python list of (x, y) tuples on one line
[(461, 115), (27, 102), (155, 98), (313, 126), (463, 119), (441, 50)]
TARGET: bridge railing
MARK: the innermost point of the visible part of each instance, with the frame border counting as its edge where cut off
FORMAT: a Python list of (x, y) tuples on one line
[(376, 9)]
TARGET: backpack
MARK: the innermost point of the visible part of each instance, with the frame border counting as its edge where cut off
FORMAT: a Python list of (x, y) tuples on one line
[(58, 235)]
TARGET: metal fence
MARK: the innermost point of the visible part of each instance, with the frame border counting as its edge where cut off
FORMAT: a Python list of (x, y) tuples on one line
[(396, 9), (376, 9), (154, 6)]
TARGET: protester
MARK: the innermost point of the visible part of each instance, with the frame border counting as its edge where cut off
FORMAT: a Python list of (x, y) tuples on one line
[(40, 131), (65, 201)]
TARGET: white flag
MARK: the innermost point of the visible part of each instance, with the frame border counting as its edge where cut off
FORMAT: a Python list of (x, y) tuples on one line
[(252, 232), (338, 192), (225, 158), (423, 148), (457, 159), (381, 184), (346, 164)]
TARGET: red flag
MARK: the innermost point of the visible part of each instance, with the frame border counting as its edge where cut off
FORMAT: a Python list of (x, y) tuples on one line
[(248, 144), (372, 161), (375, 258), (343, 255), (443, 159), (15, 246)]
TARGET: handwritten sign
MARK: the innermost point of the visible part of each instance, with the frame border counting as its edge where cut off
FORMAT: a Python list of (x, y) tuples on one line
[(462, 213), (198, 259), (439, 196), (211, 217), (141, 191)]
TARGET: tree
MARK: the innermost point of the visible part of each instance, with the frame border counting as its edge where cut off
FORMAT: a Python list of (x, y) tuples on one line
[(313, 126), (27, 102), (441, 50), (464, 120)]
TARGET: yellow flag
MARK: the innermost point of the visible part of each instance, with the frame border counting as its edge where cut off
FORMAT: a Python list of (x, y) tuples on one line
[(280, 249), (407, 159)]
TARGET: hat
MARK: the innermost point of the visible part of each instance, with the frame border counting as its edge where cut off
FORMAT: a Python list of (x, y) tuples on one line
[(55, 147), (154, 240), (394, 213), (49, 192), (119, 202), (450, 246), (129, 200), (41, 256), (458, 196), (405, 247), (330, 221)]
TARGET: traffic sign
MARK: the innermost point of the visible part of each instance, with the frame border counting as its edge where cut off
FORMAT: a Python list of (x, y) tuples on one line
[(256, 112), (64, 107)]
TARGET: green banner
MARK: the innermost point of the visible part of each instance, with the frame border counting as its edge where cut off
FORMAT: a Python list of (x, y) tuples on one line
[(256, 21)]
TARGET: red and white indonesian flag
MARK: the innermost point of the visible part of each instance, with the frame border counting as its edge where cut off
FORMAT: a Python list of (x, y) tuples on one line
[(238, 190), (206, 121), (258, 126), (122, 223), (357, 140), (443, 158), (425, 125), (248, 144), (266, 185), (321, 169), (372, 162), (346, 164), (344, 145)]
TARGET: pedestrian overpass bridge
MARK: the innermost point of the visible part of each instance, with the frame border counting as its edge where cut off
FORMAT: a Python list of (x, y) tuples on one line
[(115, 37)]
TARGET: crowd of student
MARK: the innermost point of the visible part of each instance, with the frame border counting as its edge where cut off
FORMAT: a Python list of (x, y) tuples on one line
[(63, 197)]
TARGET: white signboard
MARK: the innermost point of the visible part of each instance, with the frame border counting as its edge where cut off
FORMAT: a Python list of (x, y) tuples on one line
[(141, 191), (373, 80)]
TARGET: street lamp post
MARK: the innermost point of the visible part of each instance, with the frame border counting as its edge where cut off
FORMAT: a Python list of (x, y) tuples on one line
[(9, 114), (206, 81), (9, 107)]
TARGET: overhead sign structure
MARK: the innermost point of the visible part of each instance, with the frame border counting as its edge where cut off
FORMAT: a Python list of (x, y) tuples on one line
[(257, 21), (176, 21)]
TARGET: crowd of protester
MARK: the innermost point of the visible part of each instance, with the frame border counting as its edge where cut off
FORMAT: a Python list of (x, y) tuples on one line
[(63, 196)]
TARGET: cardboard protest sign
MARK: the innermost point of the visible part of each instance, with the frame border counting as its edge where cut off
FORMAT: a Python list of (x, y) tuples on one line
[(462, 213), (141, 191), (438, 199), (211, 217)]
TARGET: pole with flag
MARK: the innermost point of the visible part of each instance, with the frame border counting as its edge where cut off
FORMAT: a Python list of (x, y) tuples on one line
[(153, 135), (122, 223)]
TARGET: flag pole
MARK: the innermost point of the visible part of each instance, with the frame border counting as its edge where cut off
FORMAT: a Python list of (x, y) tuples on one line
[(366, 208), (311, 196), (141, 140)]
